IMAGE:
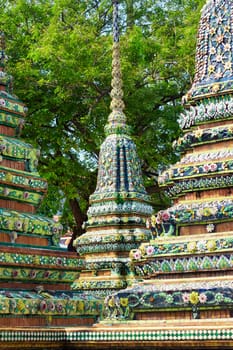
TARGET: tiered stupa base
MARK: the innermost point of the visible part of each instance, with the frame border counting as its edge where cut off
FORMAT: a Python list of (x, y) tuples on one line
[(35, 289)]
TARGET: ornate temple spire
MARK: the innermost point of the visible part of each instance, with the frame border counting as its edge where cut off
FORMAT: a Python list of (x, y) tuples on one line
[(119, 207), (119, 166), (117, 104), (116, 119), (214, 56)]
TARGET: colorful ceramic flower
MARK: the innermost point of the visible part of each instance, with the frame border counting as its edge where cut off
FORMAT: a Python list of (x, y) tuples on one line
[(124, 302), (198, 133), (219, 58), (212, 30), (228, 65), (165, 215), (25, 195), (18, 225), (150, 250), (59, 307), (212, 50), (137, 254), (32, 274), (211, 245), (169, 299), (210, 228), (211, 68), (213, 167), (194, 298), (111, 302), (201, 246), (51, 306), (202, 298), (185, 297), (206, 168), (227, 47), (219, 297), (215, 87), (192, 247), (43, 306), (2, 102), (2, 147)]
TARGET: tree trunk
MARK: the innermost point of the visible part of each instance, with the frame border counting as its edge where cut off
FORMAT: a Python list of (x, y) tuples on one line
[(80, 218)]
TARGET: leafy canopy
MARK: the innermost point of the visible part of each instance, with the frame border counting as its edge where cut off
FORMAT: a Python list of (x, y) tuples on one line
[(60, 57)]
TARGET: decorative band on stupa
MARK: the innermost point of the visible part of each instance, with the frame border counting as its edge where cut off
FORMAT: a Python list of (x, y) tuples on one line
[(120, 205), (214, 55)]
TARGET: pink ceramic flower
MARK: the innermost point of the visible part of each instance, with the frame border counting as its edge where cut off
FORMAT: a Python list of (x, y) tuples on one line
[(206, 168), (202, 298), (59, 307), (51, 306), (137, 255), (43, 306), (213, 167), (150, 250), (165, 216), (185, 297), (2, 102)]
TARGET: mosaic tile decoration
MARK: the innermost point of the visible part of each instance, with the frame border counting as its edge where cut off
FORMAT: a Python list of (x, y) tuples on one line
[(109, 336), (214, 56)]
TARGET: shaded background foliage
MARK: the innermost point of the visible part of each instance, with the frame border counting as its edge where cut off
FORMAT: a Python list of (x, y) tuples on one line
[(60, 56)]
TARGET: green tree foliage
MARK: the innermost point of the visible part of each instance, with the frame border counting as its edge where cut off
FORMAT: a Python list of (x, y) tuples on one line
[(60, 57)]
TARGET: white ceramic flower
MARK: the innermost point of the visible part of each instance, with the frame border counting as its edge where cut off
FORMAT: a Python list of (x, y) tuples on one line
[(201, 246), (210, 228)]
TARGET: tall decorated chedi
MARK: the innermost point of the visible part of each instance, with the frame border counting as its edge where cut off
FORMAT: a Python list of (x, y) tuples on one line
[(35, 274), (119, 207), (187, 267)]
